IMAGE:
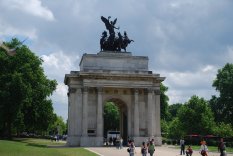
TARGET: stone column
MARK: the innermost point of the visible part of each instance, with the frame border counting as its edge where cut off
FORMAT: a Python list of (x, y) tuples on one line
[(71, 109), (121, 123), (85, 113), (157, 114), (100, 113), (78, 111), (129, 117), (136, 114), (157, 133), (72, 138), (150, 113), (69, 112)]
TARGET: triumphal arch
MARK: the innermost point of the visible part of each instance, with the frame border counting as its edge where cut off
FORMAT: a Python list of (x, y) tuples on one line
[(119, 77)]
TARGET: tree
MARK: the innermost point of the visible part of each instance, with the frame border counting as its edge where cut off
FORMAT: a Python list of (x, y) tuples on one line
[(223, 130), (223, 105), (196, 117), (24, 91), (173, 110), (164, 101), (176, 131), (164, 128), (58, 126), (111, 117), (216, 109), (12, 95)]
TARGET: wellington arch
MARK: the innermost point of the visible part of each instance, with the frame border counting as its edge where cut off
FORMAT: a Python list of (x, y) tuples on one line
[(123, 79)]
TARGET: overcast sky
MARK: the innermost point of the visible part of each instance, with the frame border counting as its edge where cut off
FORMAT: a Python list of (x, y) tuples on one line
[(186, 41)]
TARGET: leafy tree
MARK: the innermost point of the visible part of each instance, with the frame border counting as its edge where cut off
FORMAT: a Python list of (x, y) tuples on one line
[(216, 109), (11, 96), (164, 128), (24, 91), (164, 101), (196, 117), (173, 110), (223, 130), (58, 126), (222, 106), (176, 131), (111, 117)]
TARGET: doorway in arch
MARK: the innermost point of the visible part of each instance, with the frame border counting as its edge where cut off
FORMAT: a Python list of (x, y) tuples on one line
[(115, 120)]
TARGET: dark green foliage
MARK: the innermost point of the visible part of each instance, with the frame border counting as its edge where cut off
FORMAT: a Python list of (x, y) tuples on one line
[(24, 92), (222, 106), (223, 130), (164, 128), (164, 101), (193, 117), (173, 110), (216, 109), (196, 117), (176, 131)]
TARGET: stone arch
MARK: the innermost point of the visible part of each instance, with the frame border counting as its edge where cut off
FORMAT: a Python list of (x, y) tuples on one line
[(118, 99), (122, 78)]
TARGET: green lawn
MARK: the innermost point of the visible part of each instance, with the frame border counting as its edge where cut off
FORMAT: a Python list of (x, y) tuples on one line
[(210, 148), (39, 147)]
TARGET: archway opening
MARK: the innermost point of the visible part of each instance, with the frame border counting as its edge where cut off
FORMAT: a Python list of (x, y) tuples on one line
[(115, 121)]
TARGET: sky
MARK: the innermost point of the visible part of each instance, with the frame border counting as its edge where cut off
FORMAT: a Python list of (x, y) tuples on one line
[(187, 41)]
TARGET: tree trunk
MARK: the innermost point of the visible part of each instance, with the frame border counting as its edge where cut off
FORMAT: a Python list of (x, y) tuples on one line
[(8, 129)]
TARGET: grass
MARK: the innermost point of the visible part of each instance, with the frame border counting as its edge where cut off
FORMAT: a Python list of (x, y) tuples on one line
[(213, 148), (39, 147), (210, 148)]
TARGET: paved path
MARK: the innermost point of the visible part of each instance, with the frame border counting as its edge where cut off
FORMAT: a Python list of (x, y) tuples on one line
[(159, 151)]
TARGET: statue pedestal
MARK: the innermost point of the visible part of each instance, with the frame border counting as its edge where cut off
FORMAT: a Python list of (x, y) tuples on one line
[(114, 61)]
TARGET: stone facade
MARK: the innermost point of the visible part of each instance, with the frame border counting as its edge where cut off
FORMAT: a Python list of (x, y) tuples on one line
[(123, 79)]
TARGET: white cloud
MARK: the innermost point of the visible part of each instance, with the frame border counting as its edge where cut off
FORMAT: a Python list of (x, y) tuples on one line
[(182, 85), (60, 95), (60, 100), (58, 64), (32, 7), (183, 95), (208, 69)]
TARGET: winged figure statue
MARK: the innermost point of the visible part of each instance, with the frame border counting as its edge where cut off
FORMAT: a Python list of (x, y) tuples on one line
[(110, 25)]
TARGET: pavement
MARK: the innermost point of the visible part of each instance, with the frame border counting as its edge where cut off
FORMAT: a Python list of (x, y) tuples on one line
[(159, 151)]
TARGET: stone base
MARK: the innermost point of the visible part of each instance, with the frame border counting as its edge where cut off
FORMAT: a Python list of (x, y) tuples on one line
[(138, 140), (73, 141), (158, 141), (92, 141), (84, 141)]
